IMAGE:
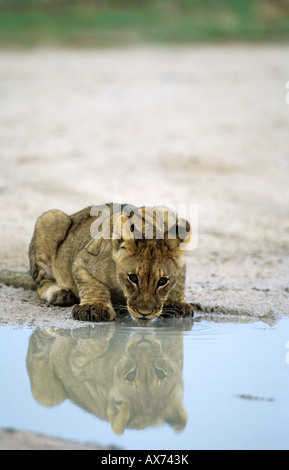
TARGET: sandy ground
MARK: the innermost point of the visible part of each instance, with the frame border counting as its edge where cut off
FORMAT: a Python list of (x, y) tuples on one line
[(198, 125), (11, 439)]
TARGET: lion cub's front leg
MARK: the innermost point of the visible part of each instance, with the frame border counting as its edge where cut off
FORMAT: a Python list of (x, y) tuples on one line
[(95, 304), (176, 303)]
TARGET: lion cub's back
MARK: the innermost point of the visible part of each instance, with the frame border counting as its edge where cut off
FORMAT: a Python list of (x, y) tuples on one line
[(78, 234)]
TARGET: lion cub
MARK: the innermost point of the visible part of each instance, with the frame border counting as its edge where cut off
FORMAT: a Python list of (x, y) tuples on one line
[(107, 254)]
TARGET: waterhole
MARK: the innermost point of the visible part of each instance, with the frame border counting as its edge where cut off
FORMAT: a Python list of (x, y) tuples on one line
[(177, 385)]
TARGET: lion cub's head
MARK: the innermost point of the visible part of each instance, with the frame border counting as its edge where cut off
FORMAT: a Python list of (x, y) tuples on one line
[(149, 258)]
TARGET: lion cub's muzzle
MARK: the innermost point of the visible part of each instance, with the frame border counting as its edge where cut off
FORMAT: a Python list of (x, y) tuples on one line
[(143, 314)]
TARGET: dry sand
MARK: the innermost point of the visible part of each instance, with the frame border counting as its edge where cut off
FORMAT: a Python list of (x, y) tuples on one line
[(197, 125), (11, 439)]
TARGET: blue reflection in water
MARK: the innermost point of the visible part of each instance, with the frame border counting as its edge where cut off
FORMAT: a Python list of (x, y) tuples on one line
[(174, 385), (131, 377)]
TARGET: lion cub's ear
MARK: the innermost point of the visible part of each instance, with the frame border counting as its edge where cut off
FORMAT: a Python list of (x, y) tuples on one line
[(178, 235), (175, 415), (118, 417), (124, 231)]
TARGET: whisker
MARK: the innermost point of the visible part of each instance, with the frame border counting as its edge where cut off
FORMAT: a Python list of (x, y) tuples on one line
[(120, 308)]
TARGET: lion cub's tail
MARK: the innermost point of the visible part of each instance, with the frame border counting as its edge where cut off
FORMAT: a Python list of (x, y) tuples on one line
[(17, 279)]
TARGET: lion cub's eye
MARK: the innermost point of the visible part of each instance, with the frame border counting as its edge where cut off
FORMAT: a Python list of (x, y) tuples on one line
[(160, 373), (131, 375), (162, 281), (133, 278)]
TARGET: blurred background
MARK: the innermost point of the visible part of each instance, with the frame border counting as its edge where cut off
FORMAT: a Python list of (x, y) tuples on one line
[(115, 22)]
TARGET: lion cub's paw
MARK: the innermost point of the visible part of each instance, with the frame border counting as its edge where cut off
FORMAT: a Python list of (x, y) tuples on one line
[(182, 309), (63, 298), (94, 313)]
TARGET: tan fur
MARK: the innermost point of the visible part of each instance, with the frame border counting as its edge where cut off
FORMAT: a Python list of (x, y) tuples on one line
[(131, 380), (70, 267), (17, 279)]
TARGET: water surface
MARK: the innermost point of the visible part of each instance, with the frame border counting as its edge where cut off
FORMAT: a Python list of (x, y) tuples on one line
[(175, 385)]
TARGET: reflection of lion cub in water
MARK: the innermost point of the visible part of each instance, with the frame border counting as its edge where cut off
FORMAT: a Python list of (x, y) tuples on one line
[(132, 381), (69, 265), (148, 385)]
